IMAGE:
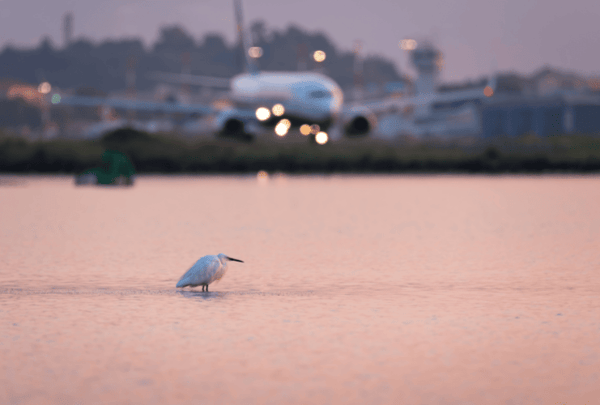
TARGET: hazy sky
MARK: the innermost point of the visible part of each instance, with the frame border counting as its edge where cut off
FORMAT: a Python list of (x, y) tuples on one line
[(475, 36)]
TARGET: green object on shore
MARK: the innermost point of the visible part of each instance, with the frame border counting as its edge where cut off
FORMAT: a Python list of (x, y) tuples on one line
[(116, 169)]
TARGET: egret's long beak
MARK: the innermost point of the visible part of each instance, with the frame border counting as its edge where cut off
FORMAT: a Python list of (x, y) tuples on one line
[(235, 260)]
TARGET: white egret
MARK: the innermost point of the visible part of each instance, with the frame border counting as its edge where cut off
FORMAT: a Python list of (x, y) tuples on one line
[(206, 270)]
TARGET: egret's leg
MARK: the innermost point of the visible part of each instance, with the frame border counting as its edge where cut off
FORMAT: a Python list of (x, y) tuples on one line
[(206, 287), (203, 287)]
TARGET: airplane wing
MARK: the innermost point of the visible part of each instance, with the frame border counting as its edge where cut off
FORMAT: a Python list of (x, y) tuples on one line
[(184, 78), (137, 105), (455, 98)]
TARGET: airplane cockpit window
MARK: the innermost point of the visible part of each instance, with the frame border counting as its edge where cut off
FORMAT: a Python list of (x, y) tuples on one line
[(319, 94)]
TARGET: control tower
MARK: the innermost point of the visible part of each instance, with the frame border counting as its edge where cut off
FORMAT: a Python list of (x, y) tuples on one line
[(426, 60)]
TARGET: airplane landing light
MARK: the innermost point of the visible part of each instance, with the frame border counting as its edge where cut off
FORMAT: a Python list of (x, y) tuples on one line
[(322, 138), (282, 127), (278, 110), (319, 56), (263, 113), (305, 129)]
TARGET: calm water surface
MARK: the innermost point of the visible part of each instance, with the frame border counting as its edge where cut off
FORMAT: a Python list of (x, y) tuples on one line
[(354, 290)]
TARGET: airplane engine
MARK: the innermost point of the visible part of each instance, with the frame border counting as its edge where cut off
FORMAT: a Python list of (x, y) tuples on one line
[(359, 122), (232, 127), (235, 124)]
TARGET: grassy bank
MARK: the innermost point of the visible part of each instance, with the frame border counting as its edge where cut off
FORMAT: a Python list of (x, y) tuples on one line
[(170, 154)]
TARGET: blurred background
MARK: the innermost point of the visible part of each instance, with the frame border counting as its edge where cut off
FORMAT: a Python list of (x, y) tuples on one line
[(230, 87)]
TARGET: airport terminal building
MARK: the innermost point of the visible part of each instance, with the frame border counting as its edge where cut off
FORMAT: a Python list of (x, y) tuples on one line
[(544, 116)]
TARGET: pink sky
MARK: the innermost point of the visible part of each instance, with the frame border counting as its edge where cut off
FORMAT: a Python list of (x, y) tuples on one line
[(475, 36)]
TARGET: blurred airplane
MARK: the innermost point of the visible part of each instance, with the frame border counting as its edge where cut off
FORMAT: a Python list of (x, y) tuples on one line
[(308, 100), (271, 98)]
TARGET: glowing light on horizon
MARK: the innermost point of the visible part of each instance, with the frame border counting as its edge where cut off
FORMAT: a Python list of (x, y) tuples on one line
[(305, 129), (55, 98), (255, 52), (488, 91), (319, 56), (278, 110), (322, 138), (408, 44), (314, 129), (263, 113), (44, 88), (28, 93)]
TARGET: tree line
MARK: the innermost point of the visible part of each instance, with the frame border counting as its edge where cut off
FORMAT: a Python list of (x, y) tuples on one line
[(103, 65)]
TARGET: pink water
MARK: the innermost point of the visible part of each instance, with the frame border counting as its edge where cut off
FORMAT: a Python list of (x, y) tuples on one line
[(354, 290)]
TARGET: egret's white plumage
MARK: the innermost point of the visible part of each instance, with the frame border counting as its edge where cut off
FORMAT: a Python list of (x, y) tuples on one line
[(206, 270)]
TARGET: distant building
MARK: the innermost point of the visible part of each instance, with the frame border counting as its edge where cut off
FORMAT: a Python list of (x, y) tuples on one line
[(544, 116), (549, 81), (546, 103)]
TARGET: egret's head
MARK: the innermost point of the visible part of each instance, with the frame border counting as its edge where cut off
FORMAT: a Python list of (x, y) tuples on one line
[(223, 258)]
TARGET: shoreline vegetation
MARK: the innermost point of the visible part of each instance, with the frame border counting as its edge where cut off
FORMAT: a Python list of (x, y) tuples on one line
[(170, 154)]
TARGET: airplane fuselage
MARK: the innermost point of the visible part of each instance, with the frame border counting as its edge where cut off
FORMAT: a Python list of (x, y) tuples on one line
[(307, 97)]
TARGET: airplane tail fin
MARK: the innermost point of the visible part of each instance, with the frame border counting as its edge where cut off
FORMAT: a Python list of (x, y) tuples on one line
[(250, 64)]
